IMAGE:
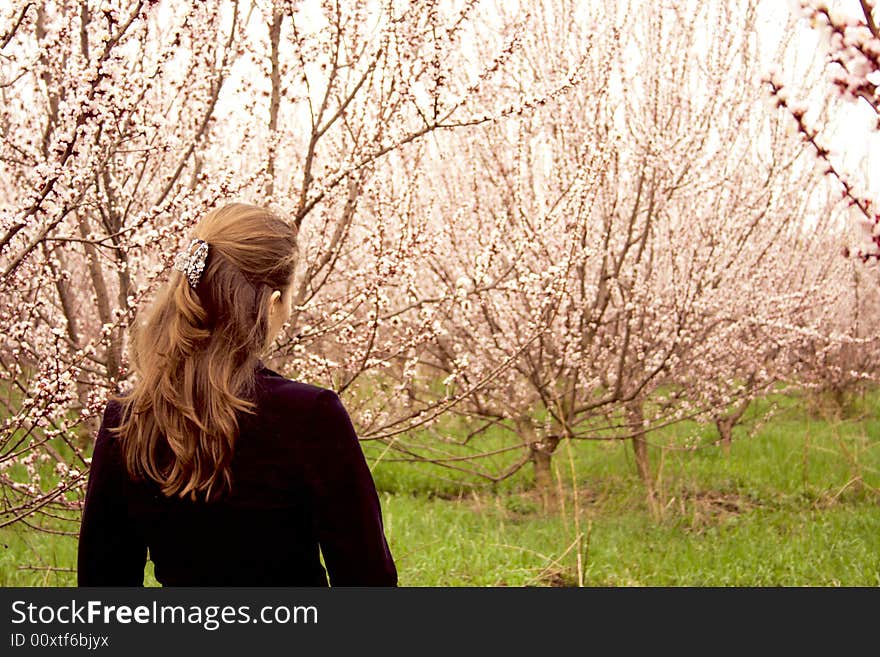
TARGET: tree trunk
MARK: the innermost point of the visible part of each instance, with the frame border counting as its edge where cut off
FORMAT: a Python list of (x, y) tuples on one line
[(275, 99), (725, 424), (544, 479), (68, 306), (725, 429), (542, 458), (635, 419)]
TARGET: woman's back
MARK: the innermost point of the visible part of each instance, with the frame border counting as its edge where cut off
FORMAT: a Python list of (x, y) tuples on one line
[(300, 480)]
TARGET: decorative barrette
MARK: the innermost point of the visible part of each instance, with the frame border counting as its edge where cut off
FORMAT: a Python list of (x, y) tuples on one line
[(192, 263)]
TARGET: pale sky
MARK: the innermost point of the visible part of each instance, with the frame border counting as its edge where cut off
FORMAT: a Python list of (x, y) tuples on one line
[(853, 141), (854, 144)]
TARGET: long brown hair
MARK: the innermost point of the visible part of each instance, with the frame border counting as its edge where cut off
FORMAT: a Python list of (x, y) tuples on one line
[(197, 353)]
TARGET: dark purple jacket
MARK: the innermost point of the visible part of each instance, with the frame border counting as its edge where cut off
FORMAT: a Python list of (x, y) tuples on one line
[(300, 481)]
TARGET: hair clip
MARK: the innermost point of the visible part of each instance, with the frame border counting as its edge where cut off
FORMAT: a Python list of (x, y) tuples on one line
[(192, 263)]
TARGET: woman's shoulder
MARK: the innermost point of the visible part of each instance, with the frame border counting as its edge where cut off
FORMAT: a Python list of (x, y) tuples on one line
[(290, 404), (291, 392), (113, 409)]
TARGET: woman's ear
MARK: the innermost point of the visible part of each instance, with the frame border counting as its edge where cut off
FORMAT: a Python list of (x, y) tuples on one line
[(273, 301)]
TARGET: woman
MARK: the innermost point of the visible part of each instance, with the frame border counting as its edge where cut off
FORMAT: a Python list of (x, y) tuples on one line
[(227, 472)]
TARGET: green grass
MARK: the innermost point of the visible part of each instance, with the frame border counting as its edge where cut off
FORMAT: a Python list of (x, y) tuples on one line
[(795, 503), (439, 543)]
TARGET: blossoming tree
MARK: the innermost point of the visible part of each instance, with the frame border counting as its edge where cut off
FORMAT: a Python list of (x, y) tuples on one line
[(616, 248), (124, 122)]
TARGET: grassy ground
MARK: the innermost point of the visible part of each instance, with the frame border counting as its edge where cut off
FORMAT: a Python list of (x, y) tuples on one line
[(796, 502)]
